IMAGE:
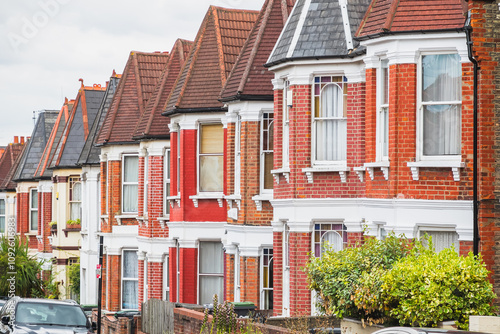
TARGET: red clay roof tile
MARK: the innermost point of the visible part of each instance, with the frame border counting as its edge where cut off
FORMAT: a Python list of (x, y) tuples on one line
[(8, 164)]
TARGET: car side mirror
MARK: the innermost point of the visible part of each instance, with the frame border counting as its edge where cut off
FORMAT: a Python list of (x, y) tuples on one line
[(94, 325), (5, 320)]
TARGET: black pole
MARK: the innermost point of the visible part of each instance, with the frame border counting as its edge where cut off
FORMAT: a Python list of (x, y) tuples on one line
[(99, 297), (475, 196)]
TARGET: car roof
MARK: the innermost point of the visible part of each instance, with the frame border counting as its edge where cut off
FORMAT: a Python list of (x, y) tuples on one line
[(46, 301)]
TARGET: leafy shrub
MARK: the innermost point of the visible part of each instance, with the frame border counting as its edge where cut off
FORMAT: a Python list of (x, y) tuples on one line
[(335, 275), (74, 279)]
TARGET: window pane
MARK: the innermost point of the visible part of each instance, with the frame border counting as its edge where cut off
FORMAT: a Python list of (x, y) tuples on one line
[(442, 129), (130, 264), (212, 138), (130, 198), (131, 169), (441, 240), (34, 221), (2, 206), (441, 77), (385, 132), (209, 286), (130, 295), (2, 224), (211, 258), (211, 173), (268, 166), (34, 199), (77, 192), (75, 209)]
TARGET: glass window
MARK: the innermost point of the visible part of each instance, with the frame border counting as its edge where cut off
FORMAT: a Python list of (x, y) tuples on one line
[(2, 215), (211, 271), (329, 235), (75, 198), (287, 104), (237, 155), (383, 111), (330, 119), (266, 152), (33, 209), (267, 279), (146, 184), (211, 164), (441, 239), (441, 104), (130, 280), (166, 189), (130, 183), (166, 279)]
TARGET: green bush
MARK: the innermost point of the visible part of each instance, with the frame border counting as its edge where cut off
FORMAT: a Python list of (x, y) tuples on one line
[(74, 279), (336, 275)]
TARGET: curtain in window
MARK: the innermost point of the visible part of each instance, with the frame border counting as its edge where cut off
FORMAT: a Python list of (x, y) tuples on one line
[(331, 126), (130, 294), (76, 204), (212, 158), (34, 210), (2, 215), (211, 271), (442, 240), (441, 83), (130, 183)]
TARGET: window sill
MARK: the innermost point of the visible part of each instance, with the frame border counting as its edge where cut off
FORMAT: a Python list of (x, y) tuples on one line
[(163, 221), (120, 217), (276, 174), (142, 220), (341, 169), (174, 199), (454, 165), (218, 196), (258, 199), (233, 198), (383, 165)]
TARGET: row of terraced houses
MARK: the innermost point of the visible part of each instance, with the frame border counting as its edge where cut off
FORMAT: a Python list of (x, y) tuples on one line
[(220, 166)]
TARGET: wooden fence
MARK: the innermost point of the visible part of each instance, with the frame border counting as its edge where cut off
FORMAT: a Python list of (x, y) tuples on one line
[(157, 317)]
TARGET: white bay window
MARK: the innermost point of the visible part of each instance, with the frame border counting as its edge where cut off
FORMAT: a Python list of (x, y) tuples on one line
[(211, 158), (130, 183)]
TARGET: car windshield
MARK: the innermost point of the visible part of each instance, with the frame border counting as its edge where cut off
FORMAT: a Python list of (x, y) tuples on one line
[(50, 314)]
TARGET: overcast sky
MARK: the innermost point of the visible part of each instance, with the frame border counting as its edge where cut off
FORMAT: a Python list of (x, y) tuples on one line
[(47, 45)]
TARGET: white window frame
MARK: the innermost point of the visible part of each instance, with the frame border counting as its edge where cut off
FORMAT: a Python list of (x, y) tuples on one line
[(200, 155), (237, 275), (343, 86), (200, 274), (107, 187), (265, 303), (166, 184), (145, 285), (263, 150), (72, 180), (287, 104), (382, 120), (124, 157), (146, 186), (420, 113), (33, 209), (166, 278), (178, 160), (3, 217), (123, 279), (237, 155)]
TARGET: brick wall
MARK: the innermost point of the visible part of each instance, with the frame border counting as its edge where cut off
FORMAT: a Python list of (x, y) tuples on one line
[(188, 280), (300, 296), (113, 266), (278, 273), (250, 282), (45, 218)]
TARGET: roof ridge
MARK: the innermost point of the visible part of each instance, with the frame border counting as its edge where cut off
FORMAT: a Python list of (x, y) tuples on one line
[(218, 35)]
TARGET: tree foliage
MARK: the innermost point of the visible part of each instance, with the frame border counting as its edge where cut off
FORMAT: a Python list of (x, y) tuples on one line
[(20, 272), (398, 281), (74, 279)]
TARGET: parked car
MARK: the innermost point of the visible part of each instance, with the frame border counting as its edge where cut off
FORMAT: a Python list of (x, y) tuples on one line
[(29, 315), (413, 330)]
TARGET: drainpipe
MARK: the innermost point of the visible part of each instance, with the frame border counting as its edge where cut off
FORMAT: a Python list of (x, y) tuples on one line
[(468, 31)]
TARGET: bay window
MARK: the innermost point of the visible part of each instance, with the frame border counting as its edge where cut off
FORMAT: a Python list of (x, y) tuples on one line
[(130, 183), (329, 123), (440, 105), (211, 271), (130, 280), (211, 158)]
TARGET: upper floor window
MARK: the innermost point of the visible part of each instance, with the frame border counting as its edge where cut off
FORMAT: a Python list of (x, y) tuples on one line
[(33, 209), (146, 184), (178, 161), (211, 158), (130, 183), (266, 151), (2, 215), (287, 104), (237, 155), (166, 188), (441, 95), (329, 123), (75, 198), (383, 111)]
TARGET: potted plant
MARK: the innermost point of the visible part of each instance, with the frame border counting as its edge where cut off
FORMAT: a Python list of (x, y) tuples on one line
[(74, 224)]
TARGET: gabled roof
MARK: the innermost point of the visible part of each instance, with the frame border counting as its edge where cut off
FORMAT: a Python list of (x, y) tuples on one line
[(32, 154), (217, 45), (249, 79), (54, 138), (8, 163), (136, 86), (152, 124), (403, 16), (77, 128), (320, 29), (90, 153)]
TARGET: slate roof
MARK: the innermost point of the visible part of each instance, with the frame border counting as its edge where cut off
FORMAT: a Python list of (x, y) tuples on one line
[(34, 148), (90, 153), (152, 124), (54, 138), (249, 79), (8, 163), (317, 31), (217, 45), (402, 16), (136, 86)]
